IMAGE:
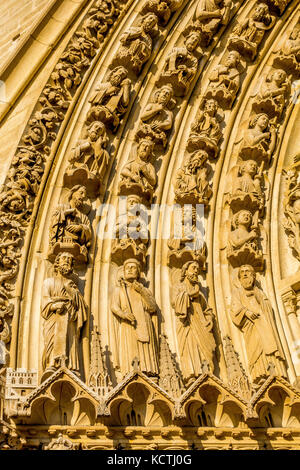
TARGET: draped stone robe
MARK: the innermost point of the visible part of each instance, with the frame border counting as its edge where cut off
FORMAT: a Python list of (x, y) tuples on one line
[(195, 340), (62, 331), (137, 340), (260, 335)]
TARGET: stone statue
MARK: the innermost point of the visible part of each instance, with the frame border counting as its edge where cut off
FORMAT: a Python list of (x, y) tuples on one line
[(291, 206), (243, 240), (260, 139), (289, 56), (138, 174), (252, 313), (70, 227), (181, 65), (186, 242), (65, 313), (89, 158), (132, 234), (247, 186), (191, 185), (110, 99), (162, 8), (157, 117), (136, 43), (292, 45), (246, 37), (209, 14), (273, 94), (194, 323), (132, 306), (206, 130), (225, 80)]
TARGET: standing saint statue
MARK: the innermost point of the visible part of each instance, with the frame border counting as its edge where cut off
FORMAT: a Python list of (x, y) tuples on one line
[(132, 306), (194, 323), (65, 313), (252, 313)]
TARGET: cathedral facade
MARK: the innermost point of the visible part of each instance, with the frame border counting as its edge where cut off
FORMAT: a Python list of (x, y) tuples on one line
[(150, 243)]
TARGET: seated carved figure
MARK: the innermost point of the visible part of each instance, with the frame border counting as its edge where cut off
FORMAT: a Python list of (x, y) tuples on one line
[(138, 175), (157, 117), (191, 185), (289, 56), (206, 130), (181, 65), (243, 241), (225, 80), (246, 190), (110, 100), (291, 206), (186, 242), (136, 43), (209, 14), (162, 8), (70, 228), (260, 139), (246, 37), (252, 313), (132, 234), (273, 94), (89, 158)]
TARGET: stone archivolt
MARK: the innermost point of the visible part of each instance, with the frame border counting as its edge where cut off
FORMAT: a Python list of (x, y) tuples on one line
[(129, 387)]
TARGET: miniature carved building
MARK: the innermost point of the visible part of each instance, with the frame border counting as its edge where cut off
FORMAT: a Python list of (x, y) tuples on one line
[(150, 227)]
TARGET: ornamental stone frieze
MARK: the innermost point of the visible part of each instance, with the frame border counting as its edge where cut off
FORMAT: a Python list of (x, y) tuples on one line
[(149, 228)]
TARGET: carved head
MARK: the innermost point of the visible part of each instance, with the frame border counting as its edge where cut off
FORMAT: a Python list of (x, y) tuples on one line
[(132, 269), (249, 167), (192, 41), (77, 196), (132, 202), (117, 75), (145, 149), (233, 59), (95, 130), (211, 107), (196, 160), (242, 217), (247, 276), (164, 95), (64, 263), (190, 270), (279, 76), (260, 12), (260, 120), (149, 22)]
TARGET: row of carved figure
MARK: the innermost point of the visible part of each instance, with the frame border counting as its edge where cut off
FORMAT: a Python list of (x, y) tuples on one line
[(134, 337)]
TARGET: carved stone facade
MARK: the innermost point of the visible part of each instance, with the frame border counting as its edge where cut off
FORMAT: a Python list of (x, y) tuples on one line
[(150, 228)]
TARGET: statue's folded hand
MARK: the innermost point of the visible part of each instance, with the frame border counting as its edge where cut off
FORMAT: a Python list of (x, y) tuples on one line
[(58, 307)]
